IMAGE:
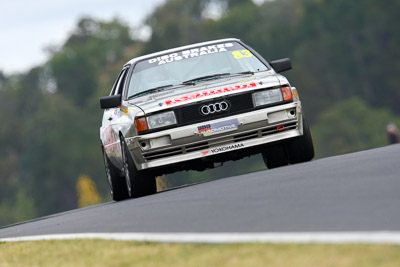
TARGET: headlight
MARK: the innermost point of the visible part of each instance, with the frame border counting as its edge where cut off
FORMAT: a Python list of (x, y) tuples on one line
[(271, 96), (267, 97), (161, 120)]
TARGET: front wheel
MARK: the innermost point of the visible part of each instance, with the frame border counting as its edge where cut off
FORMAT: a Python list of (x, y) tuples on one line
[(275, 156), (116, 183), (301, 149), (138, 183)]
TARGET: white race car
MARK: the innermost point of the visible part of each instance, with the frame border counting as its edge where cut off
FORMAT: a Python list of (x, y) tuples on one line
[(191, 107)]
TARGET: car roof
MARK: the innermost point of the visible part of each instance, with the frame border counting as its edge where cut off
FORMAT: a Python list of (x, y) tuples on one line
[(172, 50)]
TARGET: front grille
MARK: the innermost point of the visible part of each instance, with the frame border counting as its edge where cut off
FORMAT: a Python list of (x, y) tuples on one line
[(238, 103), (246, 136), (163, 154), (190, 114), (196, 147)]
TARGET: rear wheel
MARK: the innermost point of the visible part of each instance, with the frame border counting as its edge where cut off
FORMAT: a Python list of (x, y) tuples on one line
[(301, 149), (116, 183), (138, 183)]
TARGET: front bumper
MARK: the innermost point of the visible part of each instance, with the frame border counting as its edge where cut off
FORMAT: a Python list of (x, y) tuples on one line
[(178, 145)]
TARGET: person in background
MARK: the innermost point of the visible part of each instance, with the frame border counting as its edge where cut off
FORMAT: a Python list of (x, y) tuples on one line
[(392, 133)]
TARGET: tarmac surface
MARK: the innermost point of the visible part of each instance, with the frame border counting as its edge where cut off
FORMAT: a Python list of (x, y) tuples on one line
[(347, 193)]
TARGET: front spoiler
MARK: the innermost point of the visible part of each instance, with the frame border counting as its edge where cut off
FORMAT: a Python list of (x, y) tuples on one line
[(217, 152)]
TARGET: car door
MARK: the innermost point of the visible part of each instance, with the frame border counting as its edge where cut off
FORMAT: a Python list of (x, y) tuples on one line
[(111, 119)]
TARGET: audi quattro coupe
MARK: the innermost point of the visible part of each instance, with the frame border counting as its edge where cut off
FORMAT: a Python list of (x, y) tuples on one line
[(195, 107)]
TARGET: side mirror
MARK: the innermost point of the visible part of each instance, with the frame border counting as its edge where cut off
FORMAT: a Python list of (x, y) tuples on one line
[(281, 65), (111, 101)]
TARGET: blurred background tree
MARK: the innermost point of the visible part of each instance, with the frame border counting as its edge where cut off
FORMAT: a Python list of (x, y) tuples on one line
[(87, 192), (350, 125), (344, 53)]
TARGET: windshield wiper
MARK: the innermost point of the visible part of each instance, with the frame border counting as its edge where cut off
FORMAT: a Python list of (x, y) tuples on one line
[(244, 72), (152, 90), (207, 77)]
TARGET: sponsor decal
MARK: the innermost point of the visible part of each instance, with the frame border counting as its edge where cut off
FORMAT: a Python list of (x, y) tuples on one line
[(203, 129), (195, 52), (222, 149), (204, 153), (212, 92), (241, 54), (219, 127), (110, 140)]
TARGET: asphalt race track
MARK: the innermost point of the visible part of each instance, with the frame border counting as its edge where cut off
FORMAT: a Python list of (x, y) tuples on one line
[(353, 192)]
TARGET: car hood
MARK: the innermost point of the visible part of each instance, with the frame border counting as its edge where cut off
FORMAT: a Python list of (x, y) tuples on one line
[(206, 90)]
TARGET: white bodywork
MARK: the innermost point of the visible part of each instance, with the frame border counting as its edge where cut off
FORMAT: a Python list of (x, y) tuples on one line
[(185, 143)]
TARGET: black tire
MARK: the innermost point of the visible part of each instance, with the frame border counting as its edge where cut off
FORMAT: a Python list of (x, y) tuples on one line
[(275, 156), (116, 182), (138, 183), (301, 149)]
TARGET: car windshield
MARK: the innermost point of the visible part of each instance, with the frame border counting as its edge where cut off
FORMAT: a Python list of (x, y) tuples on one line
[(191, 66)]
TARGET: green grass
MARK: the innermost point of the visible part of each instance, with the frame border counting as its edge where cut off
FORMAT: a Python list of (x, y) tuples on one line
[(118, 253)]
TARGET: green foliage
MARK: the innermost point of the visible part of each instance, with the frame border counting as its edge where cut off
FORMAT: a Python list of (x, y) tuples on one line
[(345, 65), (177, 22), (350, 126), (77, 65), (21, 208), (346, 49), (52, 118)]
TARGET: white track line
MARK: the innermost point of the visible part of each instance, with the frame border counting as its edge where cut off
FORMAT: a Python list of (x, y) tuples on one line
[(384, 237)]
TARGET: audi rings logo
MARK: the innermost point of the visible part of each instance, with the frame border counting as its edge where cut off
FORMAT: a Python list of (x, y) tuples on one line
[(216, 107)]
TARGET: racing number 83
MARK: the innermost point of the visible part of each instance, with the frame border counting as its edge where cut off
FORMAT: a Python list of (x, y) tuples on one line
[(241, 54)]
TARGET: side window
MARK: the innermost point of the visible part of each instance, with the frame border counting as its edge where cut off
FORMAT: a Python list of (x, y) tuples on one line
[(119, 83)]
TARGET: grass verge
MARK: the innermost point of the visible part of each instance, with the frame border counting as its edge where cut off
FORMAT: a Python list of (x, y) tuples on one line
[(118, 253)]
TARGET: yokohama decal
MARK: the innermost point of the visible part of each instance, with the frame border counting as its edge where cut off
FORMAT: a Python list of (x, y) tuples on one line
[(232, 88), (222, 149)]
